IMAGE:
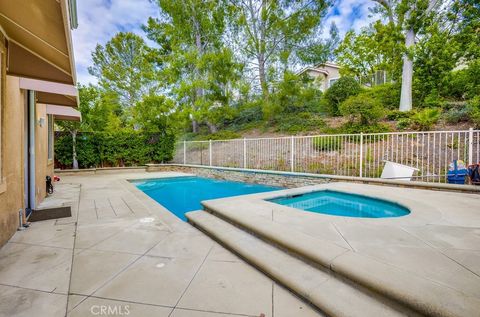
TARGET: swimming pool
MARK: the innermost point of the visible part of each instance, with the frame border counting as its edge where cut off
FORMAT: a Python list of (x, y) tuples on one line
[(343, 204), (182, 194)]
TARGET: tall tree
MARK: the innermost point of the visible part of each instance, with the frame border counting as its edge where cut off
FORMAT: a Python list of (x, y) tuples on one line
[(197, 65), (125, 67), (271, 31), (409, 17)]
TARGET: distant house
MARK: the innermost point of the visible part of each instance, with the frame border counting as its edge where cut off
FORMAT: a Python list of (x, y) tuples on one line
[(324, 74)]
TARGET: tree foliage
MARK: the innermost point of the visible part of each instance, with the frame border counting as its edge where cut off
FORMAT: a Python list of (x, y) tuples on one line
[(201, 71), (374, 48), (124, 67), (270, 34), (339, 92)]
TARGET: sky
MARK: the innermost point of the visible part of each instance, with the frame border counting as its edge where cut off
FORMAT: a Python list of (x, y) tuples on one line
[(99, 20)]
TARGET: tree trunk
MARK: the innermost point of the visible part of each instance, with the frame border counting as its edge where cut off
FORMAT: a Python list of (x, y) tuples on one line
[(212, 127), (194, 126), (261, 54), (199, 92), (262, 76), (74, 149), (407, 74)]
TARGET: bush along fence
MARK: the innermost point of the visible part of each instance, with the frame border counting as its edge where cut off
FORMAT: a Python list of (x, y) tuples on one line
[(99, 149), (357, 155)]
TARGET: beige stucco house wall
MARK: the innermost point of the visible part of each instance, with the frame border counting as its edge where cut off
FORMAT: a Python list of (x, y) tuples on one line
[(38, 73), (12, 188), (324, 74), (11, 192)]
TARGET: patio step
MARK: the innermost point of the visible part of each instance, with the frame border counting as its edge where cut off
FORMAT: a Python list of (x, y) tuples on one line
[(322, 288), (379, 281)]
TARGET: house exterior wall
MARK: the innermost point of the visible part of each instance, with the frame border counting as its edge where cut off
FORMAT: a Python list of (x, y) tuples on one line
[(12, 191), (27, 57), (319, 78), (11, 195), (333, 73), (322, 79)]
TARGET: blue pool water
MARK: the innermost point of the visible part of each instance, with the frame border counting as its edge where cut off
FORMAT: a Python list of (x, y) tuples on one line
[(183, 194), (343, 204)]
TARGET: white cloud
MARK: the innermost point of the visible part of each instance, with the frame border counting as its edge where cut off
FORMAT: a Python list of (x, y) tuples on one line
[(349, 15), (99, 20)]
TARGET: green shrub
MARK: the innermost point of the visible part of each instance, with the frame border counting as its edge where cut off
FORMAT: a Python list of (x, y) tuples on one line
[(464, 83), (300, 122), (457, 114), (425, 119), (455, 84), (404, 123), (388, 95), (433, 100), (395, 115), (248, 114), (343, 88), (361, 109), (326, 143), (295, 94), (474, 111), (358, 127), (100, 149)]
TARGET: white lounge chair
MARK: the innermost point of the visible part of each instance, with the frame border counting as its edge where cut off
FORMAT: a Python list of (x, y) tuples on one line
[(397, 171)]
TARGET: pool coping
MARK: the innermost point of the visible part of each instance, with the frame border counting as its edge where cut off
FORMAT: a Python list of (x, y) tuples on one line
[(422, 293), (365, 180)]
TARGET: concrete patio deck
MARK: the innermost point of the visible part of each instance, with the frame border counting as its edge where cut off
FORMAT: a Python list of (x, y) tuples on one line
[(122, 254)]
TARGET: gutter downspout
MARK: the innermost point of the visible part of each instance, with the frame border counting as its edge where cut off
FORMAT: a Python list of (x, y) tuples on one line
[(31, 148)]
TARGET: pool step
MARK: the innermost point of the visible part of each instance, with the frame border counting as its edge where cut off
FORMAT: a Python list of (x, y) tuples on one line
[(324, 289), (381, 281)]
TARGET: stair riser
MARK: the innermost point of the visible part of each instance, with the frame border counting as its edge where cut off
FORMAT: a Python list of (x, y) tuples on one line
[(395, 296), (331, 309)]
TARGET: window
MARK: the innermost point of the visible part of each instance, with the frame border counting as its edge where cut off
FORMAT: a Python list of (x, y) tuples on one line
[(332, 81), (50, 137)]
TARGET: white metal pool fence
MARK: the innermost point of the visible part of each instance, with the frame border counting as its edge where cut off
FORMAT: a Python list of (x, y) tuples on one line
[(358, 155)]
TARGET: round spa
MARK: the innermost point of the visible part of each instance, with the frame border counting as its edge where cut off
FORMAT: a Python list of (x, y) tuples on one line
[(343, 204)]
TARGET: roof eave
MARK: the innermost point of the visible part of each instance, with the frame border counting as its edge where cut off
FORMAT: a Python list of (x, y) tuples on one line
[(67, 7)]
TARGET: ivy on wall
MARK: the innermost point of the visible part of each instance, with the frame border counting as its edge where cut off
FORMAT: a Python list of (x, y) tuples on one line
[(102, 149)]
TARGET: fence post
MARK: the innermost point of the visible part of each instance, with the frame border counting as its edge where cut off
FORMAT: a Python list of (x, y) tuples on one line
[(470, 146), (361, 154), (210, 152), (184, 152), (292, 148), (244, 153)]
